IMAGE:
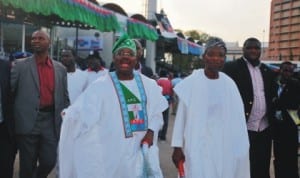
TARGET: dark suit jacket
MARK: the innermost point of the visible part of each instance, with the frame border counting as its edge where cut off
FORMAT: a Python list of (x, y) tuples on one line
[(289, 97), (239, 72), (26, 92), (5, 95)]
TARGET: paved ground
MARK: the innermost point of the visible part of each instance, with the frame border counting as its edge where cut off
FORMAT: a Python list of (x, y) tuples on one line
[(165, 152), (169, 170)]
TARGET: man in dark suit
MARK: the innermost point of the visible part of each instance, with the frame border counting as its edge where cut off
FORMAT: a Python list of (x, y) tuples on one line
[(255, 82), (285, 129), (7, 141), (39, 87)]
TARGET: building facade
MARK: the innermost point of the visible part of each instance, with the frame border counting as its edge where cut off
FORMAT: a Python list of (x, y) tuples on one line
[(284, 40)]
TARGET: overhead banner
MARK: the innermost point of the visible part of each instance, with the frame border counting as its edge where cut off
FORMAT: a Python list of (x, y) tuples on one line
[(183, 45), (165, 27), (123, 24), (86, 43), (187, 47)]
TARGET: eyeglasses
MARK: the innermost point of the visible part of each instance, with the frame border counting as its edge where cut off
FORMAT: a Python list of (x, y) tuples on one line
[(125, 54)]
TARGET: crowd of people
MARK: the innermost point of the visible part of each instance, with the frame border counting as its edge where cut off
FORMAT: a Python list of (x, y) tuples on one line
[(107, 122)]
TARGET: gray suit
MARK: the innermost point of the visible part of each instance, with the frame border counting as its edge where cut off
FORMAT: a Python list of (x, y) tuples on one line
[(37, 131), (25, 88)]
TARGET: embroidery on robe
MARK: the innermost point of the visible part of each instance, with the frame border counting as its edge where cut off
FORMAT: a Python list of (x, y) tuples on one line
[(133, 110)]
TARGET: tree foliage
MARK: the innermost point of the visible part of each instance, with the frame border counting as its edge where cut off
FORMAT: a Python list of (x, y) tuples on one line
[(193, 34), (197, 35), (178, 30)]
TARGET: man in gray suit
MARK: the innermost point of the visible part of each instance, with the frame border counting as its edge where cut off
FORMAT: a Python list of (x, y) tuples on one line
[(39, 87)]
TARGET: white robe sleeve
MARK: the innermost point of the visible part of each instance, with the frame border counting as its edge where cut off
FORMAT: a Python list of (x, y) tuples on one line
[(157, 104), (156, 122), (237, 131), (242, 139), (77, 119), (179, 124), (69, 130), (184, 94)]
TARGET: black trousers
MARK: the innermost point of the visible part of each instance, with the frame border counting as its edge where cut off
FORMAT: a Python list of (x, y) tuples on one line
[(7, 153), (260, 153), (162, 134), (285, 149), (38, 149)]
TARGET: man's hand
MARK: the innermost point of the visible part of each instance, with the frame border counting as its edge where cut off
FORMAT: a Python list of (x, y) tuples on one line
[(148, 137), (177, 156)]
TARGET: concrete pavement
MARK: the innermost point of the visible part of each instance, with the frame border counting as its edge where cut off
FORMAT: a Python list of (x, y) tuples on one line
[(165, 153)]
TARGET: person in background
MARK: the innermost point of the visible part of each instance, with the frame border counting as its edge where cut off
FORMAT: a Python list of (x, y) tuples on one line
[(210, 134), (141, 66), (40, 93), (256, 85), (77, 79), (96, 54), (167, 91), (95, 69), (176, 79), (7, 138), (285, 129), (104, 129)]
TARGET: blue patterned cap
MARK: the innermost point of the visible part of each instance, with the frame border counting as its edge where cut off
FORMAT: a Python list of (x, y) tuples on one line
[(215, 41)]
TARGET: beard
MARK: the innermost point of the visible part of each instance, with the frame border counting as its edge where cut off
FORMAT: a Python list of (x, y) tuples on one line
[(69, 64), (254, 62)]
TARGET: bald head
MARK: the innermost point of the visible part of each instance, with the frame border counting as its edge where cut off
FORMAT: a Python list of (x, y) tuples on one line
[(43, 33), (40, 42)]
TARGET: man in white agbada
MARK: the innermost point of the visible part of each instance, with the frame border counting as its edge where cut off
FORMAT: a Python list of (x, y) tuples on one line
[(95, 69), (77, 79), (101, 137), (210, 133)]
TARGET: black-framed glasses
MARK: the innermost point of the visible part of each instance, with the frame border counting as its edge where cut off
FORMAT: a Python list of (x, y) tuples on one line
[(125, 54)]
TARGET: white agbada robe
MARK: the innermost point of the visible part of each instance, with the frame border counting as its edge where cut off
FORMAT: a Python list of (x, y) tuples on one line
[(92, 142), (211, 128), (77, 82), (92, 75)]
